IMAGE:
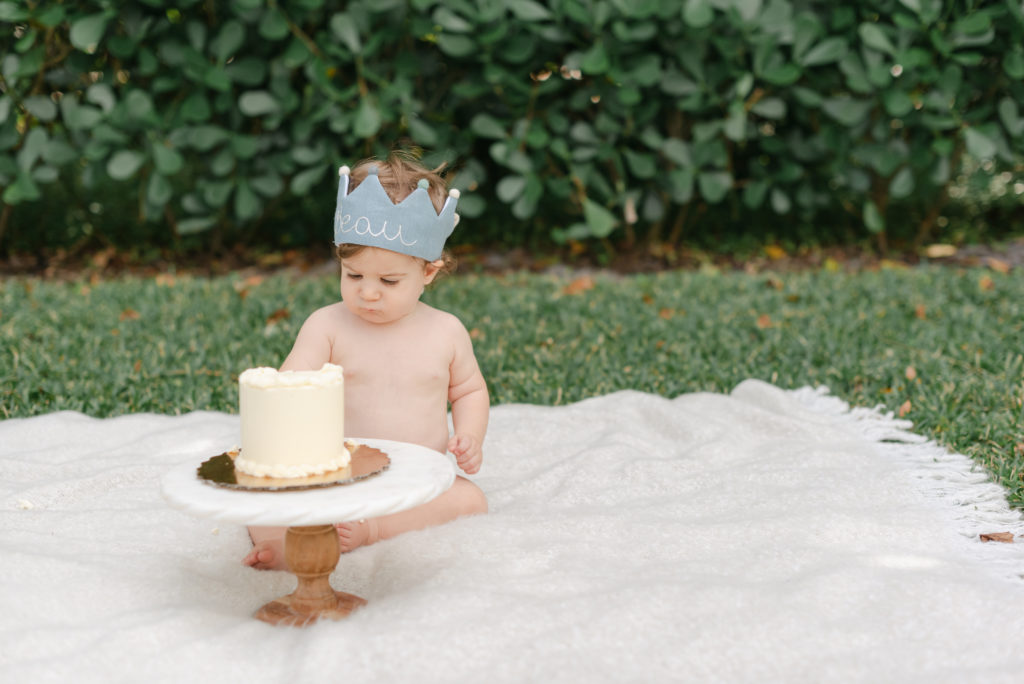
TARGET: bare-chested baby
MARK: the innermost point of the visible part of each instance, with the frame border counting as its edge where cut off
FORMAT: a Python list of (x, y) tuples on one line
[(404, 361)]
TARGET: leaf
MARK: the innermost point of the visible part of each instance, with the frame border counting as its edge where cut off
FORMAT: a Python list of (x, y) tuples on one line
[(979, 145), (780, 201), (41, 107), (368, 119), (529, 10), (456, 45), (345, 29), (754, 194), (510, 188), (846, 110), (782, 75), (450, 21), (897, 102), (677, 151), (595, 60), (247, 204), (23, 189), (229, 39), (579, 285), (257, 103), (714, 185), (273, 25), (873, 219), (1013, 64), (486, 126), (303, 181), (770, 108), (87, 31), (1010, 116), (641, 165), (159, 190), (827, 51), (1003, 537), (875, 37), (902, 184), (167, 160), (905, 408), (600, 221), (77, 116), (195, 225), (123, 164), (698, 13), (998, 265), (940, 251)]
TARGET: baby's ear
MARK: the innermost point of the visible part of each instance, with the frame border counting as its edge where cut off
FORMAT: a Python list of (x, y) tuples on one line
[(431, 269)]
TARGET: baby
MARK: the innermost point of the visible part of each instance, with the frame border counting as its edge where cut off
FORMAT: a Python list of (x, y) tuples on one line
[(404, 361)]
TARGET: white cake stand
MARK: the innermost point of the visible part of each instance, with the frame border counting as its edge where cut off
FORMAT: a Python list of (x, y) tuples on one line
[(416, 475)]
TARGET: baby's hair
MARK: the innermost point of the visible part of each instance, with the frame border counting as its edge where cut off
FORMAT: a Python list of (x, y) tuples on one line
[(399, 175)]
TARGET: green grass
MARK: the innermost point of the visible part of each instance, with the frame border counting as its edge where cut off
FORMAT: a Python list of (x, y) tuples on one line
[(134, 345)]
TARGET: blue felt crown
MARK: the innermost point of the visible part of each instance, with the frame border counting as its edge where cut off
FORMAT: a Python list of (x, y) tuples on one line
[(369, 217)]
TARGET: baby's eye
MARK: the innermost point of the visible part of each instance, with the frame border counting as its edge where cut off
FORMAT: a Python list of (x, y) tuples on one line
[(354, 276), (388, 282)]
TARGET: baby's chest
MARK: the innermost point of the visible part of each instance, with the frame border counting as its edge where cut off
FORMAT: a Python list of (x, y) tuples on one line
[(424, 365)]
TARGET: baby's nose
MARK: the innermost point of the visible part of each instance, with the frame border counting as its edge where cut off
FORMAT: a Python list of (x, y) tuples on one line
[(370, 293)]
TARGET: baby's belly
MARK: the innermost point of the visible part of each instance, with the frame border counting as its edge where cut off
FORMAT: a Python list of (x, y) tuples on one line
[(429, 430)]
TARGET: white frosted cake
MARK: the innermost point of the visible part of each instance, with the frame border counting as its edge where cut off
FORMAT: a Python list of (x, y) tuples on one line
[(293, 422)]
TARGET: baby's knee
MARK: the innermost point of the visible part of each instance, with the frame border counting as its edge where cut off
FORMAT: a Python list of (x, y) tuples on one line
[(472, 500)]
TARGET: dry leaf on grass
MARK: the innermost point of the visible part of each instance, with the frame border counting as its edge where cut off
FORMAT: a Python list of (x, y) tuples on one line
[(279, 315), (764, 321), (905, 408), (939, 251), (129, 315), (579, 285), (1004, 537), (998, 265)]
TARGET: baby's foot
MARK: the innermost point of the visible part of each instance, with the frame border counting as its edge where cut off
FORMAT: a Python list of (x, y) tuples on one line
[(267, 555), (352, 535)]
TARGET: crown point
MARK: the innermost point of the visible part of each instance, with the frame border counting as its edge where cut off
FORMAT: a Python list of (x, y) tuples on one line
[(372, 170), (453, 193), (423, 183), (344, 171)]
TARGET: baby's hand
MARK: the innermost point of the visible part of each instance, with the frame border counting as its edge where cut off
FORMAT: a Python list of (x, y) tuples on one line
[(467, 451)]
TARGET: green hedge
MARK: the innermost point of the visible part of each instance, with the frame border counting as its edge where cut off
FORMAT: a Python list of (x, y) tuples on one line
[(146, 122)]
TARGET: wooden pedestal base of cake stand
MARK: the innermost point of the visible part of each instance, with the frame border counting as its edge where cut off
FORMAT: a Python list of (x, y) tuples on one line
[(311, 553), (416, 475)]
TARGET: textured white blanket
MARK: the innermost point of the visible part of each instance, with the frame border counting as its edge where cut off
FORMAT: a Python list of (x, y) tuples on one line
[(763, 536)]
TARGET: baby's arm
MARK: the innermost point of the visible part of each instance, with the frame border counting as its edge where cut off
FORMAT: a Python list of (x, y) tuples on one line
[(312, 348), (467, 392)]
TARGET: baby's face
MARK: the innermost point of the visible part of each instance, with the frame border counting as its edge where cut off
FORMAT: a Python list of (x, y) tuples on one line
[(381, 286)]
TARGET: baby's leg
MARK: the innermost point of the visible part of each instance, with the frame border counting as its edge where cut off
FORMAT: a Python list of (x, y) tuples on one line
[(462, 498), (267, 548)]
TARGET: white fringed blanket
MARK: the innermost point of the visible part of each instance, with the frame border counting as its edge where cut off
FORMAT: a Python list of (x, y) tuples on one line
[(763, 536)]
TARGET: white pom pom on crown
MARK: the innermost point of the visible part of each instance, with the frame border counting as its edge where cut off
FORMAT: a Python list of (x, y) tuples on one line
[(344, 171), (453, 193)]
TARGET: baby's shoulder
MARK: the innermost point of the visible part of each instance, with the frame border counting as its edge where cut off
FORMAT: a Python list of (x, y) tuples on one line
[(331, 316), (438, 319)]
